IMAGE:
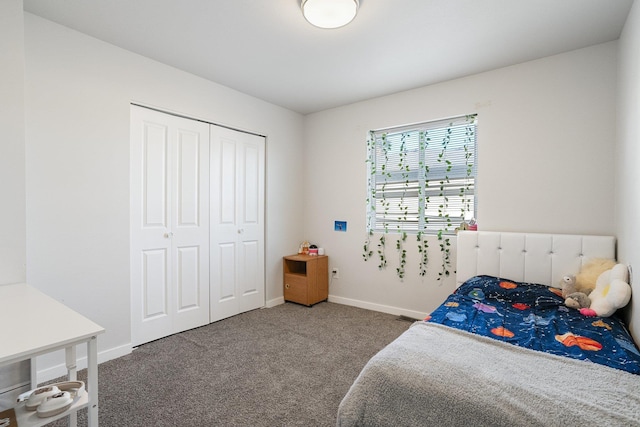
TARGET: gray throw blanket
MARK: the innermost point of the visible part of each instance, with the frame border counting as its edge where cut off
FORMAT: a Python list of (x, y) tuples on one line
[(433, 375)]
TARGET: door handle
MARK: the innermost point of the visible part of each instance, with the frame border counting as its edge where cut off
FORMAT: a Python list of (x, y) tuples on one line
[(240, 230), (168, 235)]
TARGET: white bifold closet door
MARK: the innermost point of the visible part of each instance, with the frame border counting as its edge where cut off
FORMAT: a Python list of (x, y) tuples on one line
[(237, 222), (169, 224)]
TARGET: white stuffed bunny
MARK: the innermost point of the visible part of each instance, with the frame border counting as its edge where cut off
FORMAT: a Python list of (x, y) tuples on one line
[(612, 292)]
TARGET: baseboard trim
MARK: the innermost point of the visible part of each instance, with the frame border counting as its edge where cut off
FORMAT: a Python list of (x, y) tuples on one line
[(273, 302), (50, 373), (378, 307)]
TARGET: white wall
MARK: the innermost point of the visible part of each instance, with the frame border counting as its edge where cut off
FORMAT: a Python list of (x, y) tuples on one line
[(12, 154), (546, 133), (78, 91), (628, 157)]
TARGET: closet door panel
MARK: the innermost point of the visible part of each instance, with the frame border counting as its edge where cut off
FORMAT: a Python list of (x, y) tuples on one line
[(227, 272), (226, 199), (169, 173), (188, 175), (150, 218), (155, 283), (190, 226), (155, 167), (223, 199), (188, 278), (251, 185), (251, 202), (250, 274), (224, 268), (237, 193), (224, 229)]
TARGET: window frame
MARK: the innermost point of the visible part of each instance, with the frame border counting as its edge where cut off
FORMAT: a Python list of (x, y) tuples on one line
[(421, 185)]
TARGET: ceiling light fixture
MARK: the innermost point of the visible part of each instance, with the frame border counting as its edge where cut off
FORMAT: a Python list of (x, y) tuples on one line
[(329, 13)]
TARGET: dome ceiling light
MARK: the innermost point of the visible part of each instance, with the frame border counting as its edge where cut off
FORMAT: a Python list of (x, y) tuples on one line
[(329, 13)]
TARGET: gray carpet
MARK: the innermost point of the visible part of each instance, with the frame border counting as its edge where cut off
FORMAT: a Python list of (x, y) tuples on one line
[(285, 366)]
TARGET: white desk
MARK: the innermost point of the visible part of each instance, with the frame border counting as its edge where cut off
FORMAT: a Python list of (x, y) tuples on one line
[(31, 324)]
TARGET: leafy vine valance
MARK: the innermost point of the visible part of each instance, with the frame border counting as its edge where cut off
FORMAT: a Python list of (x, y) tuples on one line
[(421, 181)]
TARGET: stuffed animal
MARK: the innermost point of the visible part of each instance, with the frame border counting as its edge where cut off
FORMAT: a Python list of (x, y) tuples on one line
[(588, 276), (577, 300), (612, 292), (568, 285), (573, 299)]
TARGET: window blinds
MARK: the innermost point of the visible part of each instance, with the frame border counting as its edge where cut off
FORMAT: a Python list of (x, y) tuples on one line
[(422, 177)]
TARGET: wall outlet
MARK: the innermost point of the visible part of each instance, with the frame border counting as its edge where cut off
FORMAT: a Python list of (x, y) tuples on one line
[(335, 273)]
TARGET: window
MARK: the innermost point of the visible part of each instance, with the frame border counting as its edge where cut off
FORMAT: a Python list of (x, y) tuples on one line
[(422, 177)]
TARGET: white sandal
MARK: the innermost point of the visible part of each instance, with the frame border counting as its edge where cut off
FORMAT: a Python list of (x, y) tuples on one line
[(52, 399), (39, 395), (54, 405)]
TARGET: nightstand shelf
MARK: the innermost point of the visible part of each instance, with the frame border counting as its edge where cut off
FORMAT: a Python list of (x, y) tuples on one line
[(306, 278)]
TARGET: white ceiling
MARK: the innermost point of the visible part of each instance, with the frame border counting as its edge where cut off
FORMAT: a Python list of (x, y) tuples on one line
[(265, 48)]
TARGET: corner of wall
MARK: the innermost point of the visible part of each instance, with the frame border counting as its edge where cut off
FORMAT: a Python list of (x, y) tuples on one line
[(12, 161), (627, 197)]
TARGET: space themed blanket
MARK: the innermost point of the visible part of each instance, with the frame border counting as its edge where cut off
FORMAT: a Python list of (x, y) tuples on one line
[(535, 317)]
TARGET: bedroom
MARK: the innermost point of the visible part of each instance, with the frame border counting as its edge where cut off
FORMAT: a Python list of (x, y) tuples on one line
[(80, 186)]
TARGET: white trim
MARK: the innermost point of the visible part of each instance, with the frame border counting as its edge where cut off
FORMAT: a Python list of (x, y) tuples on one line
[(274, 302), (418, 315), (60, 370), (361, 304), (192, 117)]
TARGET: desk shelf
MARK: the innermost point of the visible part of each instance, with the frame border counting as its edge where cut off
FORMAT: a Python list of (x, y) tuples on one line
[(46, 325), (31, 419)]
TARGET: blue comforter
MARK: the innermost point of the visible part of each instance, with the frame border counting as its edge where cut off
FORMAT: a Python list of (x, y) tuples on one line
[(534, 316)]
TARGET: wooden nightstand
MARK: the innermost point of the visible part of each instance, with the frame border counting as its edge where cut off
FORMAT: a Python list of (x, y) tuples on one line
[(306, 278)]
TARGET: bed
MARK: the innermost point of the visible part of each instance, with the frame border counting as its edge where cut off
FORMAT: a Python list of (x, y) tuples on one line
[(502, 350)]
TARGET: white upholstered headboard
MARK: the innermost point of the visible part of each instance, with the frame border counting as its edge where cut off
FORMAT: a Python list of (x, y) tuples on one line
[(528, 257)]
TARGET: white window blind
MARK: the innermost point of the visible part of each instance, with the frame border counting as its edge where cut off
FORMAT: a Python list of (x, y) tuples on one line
[(422, 177)]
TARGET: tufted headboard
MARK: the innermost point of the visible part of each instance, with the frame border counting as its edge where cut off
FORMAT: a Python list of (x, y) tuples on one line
[(528, 257)]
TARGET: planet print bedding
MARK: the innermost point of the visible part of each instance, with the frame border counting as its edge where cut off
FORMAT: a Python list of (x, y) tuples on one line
[(534, 316)]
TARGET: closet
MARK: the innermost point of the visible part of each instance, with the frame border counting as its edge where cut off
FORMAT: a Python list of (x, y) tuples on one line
[(193, 185)]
